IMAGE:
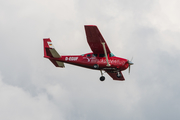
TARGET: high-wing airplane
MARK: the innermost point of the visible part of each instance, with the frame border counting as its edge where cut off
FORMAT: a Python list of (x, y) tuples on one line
[(101, 57)]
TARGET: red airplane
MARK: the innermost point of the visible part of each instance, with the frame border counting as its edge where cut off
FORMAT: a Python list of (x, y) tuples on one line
[(101, 57)]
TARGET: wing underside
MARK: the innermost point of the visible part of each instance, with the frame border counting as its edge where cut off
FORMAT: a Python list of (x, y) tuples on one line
[(95, 39), (114, 76)]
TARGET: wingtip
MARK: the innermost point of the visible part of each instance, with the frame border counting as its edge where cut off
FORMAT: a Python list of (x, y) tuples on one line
[(90, 26)]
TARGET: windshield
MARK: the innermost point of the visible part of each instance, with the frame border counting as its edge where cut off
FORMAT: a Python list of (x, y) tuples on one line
[(111, 55)]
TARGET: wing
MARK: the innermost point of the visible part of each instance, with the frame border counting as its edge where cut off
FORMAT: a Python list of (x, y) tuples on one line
[(114, 76), (95, 40)]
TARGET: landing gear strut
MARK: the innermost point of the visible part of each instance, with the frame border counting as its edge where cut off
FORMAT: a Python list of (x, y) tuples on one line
[(102, 78), (119, 74)]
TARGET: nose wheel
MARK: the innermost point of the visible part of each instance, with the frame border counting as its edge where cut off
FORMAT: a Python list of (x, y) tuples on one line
[(102, 78), (119, 74)]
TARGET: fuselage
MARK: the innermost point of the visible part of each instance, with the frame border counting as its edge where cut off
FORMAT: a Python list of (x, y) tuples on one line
[(88, 60)]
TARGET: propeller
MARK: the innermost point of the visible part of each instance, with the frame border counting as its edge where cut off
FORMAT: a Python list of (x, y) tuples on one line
[(130, 63)]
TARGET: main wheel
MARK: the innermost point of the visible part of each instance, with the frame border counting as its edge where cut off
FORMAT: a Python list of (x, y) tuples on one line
[(96, 66), (102, 78)]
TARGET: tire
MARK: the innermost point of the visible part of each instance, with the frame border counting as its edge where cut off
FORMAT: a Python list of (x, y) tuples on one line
[(119, 75), (102, 78)]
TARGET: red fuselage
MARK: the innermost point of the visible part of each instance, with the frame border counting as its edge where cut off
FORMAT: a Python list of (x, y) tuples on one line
[(89, 60)]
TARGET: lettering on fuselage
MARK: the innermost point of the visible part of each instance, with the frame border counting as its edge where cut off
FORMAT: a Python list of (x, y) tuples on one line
[(71, 58), (119, 62), (111, 61)]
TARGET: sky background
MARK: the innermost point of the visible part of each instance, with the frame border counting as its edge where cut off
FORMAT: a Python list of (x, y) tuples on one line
[(32, 88)]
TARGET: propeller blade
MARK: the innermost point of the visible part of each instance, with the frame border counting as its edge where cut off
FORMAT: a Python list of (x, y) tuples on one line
[(131, 58), (130, 63), (129, 69)]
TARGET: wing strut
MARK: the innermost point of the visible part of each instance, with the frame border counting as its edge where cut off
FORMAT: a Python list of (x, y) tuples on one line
[(103, 44)]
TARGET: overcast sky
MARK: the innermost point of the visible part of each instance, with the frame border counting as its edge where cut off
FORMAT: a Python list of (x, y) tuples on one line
[(32, 88)]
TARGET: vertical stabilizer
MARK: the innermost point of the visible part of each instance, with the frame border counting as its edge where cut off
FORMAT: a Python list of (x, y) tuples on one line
[(51, 53)]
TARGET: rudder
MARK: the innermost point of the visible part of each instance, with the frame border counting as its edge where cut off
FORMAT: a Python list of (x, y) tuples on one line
[(50, 52)]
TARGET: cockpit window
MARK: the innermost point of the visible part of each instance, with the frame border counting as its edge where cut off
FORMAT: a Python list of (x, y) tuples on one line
[(82, 55), (88, 55), (94, 55), (101, 55), (111, 55)]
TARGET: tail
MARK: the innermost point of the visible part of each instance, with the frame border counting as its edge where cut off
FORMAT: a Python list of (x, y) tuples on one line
[(51, 53)]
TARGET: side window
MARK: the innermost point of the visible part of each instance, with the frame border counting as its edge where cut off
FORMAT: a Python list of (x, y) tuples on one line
[(94, 55), (101, 55), (88, 55)]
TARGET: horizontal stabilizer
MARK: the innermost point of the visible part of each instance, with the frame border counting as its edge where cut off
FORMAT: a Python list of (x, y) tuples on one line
[(52, 53), (57, 63)]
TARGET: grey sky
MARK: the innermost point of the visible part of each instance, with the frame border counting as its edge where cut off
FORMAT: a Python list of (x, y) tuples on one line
[(32, 88)]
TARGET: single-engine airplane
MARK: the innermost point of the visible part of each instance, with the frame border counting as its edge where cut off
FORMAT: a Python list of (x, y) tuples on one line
[(101, 57)]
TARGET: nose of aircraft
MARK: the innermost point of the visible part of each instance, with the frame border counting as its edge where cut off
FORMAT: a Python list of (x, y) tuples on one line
[(130, 63)]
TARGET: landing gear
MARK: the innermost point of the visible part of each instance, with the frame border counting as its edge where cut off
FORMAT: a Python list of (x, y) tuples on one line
[(96, 66), (119, 74), (102, 78)]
